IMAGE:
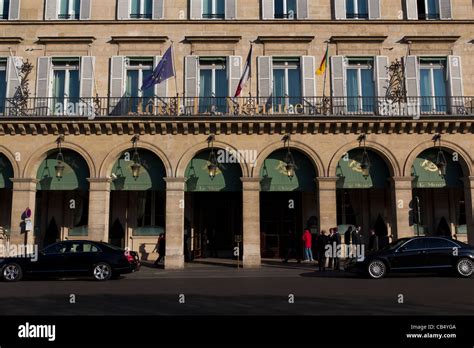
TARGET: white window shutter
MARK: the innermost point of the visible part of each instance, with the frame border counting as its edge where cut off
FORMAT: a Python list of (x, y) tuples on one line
[(117, 77), (340, 9), (374, 9), (234, 67), (411, 8), (381, 81), (51, 10), (85, 9), (87, 77), (158, 9), (412, 85), (337, 76), (265, 78), (338, 84), (14, 10), (231, 9), (381, 76), (268, 9), (302, 9), (456, 89), (13, 82), (445, 10), (191, 71), (308, 70), (123, 9), (161, 90), (195, 9), (43, 79)]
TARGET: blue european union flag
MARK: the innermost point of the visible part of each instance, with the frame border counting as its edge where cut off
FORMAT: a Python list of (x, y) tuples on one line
[(163, 71)]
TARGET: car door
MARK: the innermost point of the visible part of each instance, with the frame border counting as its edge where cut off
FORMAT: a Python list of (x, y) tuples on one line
[(440, 253), (51, 260), (410, 256), (76, 259)]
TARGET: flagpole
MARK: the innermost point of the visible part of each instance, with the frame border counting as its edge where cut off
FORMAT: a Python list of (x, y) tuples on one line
[(326, 69), (251, 58), (174, 70)]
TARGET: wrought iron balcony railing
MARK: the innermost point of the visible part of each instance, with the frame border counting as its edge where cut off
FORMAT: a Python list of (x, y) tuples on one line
[(232, 107)]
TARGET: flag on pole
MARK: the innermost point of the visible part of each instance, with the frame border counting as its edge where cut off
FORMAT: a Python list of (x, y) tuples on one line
[(324, 63), (163, 71), (246, 75)]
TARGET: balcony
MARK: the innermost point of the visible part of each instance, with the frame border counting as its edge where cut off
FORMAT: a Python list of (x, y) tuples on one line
[(244, 107)]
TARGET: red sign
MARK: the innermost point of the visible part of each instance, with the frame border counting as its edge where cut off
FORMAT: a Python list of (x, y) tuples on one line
[(28, 212)]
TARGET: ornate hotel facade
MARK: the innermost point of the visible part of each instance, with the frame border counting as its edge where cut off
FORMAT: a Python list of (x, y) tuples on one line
[(86, 154)]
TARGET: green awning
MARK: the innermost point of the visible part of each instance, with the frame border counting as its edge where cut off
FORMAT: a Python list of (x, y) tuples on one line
[(152, 173), (74, 177), (198, 179), (275, 179), (351, 176), (6, 173), (426, 174)]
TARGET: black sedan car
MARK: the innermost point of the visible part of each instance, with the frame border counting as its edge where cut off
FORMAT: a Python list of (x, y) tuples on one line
[(418, 254), (71, 259)]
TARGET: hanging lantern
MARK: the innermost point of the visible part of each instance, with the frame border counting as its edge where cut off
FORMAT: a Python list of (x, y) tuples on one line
[(441, 163), (213, 166), (136, 165), (290, 165), (59, 167), (365, 164)]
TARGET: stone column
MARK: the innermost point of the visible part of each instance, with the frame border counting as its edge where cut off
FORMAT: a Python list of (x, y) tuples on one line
[(469, 199), (327, 202), (99, 209), (402, 196), (251, 222), (24, 196), (174, 258)]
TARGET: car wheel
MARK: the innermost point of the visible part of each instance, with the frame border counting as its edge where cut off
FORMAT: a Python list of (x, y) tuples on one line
[(465, 268), (377, 269), (12, 272), (102, 271)]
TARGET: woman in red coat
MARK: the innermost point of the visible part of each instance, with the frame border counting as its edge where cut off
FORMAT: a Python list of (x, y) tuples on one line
[(307, 239)]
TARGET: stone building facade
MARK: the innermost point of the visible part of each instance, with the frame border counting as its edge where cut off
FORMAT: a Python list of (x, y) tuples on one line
[(90, 58)]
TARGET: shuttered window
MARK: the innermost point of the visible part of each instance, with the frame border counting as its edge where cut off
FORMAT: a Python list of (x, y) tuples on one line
[(357, 9), (284, 9), (213, 9), (428, 9), (141, 9), (69, 9), (3, 84), (286, 82), (65, 84), (433, 85), (137, 71), (4, 9), (360, 85), (213, 86)]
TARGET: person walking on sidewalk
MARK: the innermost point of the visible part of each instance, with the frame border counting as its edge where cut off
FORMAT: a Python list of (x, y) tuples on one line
[(307, 240), (161, 249), (321, 243)]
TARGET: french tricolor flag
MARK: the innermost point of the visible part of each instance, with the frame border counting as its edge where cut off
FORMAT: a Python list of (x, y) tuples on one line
[(246, 75)]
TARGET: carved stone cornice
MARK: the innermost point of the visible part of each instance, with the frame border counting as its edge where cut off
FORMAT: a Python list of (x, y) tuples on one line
[(232, 125)]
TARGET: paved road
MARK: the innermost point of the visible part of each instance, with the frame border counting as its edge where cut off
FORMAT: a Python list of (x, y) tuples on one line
[(217, 290)]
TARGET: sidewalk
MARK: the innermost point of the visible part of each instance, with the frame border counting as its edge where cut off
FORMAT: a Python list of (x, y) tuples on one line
[(227, 268)]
